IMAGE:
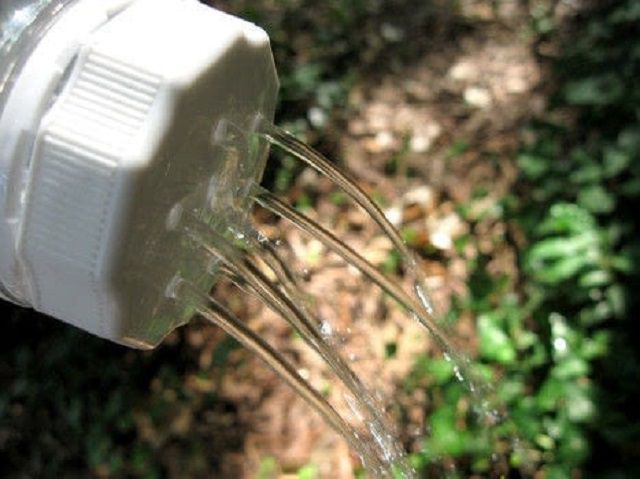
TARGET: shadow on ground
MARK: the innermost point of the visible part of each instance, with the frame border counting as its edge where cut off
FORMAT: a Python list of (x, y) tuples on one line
[(73, 404)]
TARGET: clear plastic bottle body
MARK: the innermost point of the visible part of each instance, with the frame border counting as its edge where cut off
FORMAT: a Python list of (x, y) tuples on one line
[(22, 24)]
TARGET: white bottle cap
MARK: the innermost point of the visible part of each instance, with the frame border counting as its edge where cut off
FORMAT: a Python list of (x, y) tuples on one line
[(131, 142)]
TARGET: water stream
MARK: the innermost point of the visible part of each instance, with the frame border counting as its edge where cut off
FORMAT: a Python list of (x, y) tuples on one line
[(241, 253), (212, 310), (421, 310), (379, 439)]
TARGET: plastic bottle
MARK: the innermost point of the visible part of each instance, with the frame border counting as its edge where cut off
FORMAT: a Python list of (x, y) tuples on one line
[(118, 118)]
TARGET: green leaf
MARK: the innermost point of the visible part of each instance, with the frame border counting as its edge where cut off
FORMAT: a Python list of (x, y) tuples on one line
[(510, 389), (574, 447), (595, 279), (556, 472), (598, 90), (304, 202), (338, 198), (309, 471), (629, 138), (457, 148), (596, 199), (596, 346), (390, 350), (630, 187), (589, 173), (615, 161), (566, 218), (303, 81), (446, 438), (223, 350), (579, 405), (616, 296), (563, 266), (409, 235), (550, 394), (627, 12), (575, 246), (267, 469), (392, 262), (440, 370), (571, 368), (561, 247), (623, 263), (494, 342), (533, 166)]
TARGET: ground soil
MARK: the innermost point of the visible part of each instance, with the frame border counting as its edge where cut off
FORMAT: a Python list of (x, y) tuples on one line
[(426, 138)]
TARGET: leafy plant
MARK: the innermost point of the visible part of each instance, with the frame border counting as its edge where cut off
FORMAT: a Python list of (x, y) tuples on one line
[(561, 337)]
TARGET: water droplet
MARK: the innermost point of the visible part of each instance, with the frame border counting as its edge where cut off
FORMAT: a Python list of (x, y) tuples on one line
[(326, 329)]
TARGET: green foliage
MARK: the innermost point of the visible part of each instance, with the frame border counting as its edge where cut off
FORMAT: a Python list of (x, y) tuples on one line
[(561, 337), (392, 262), (309, 471), (223, 350), (495, 344), (582, 263), (268, 468)]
